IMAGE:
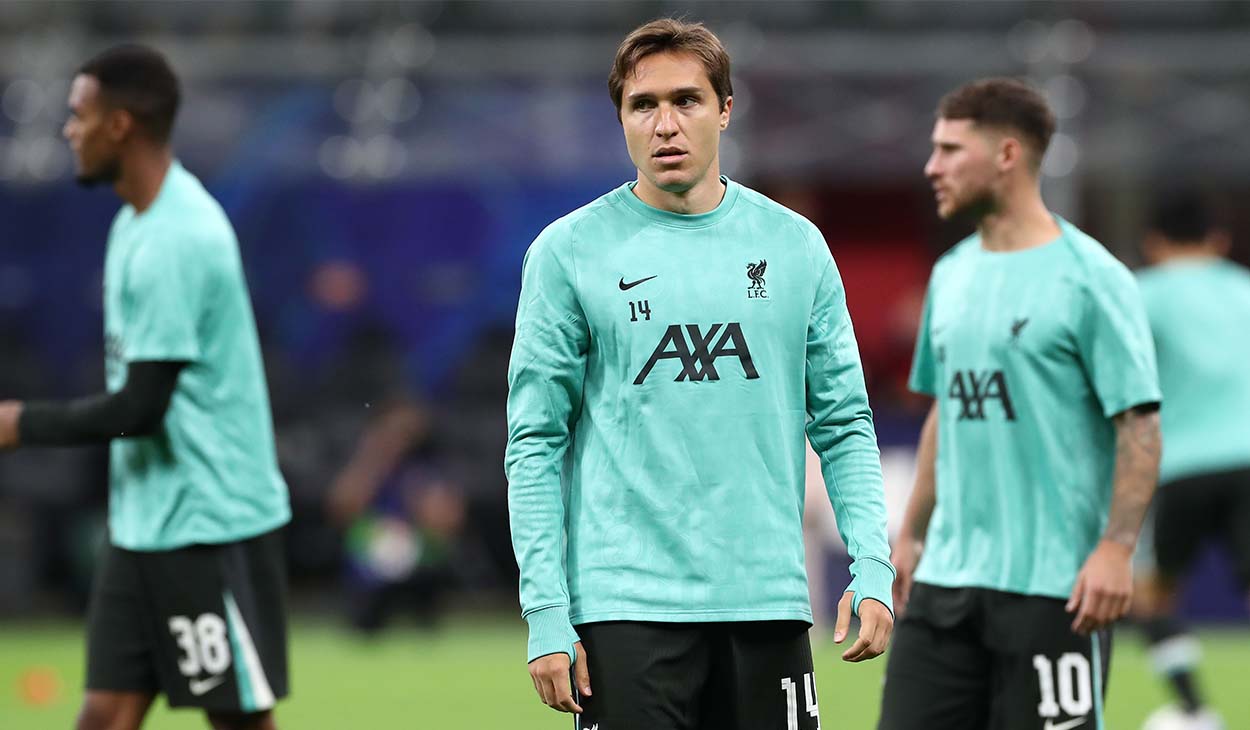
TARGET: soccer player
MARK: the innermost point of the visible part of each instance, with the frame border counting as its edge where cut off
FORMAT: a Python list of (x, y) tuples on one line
[(674, 340), (190, 598), (1040, 453), (1198, 304)]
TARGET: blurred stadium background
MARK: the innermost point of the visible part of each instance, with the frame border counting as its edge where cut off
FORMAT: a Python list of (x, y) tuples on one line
[(386, 166)]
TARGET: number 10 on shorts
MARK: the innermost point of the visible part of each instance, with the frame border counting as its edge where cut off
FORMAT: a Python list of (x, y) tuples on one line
[(792, 700), (1075, 695)]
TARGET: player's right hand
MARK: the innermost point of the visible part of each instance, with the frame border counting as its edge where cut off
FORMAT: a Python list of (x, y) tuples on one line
[(1103, 591), (905, 557), (551, 679)]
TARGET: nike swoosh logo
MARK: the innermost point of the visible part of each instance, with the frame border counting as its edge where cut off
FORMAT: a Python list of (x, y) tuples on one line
[(204, 686), (632, 284), (1050, 725)]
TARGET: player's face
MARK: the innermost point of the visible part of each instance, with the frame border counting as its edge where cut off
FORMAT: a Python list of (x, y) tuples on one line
[(93, 133), (962, 167), (673, 120)]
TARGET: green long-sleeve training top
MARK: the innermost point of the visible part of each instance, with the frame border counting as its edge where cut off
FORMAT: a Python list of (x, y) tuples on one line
[(664, 372)]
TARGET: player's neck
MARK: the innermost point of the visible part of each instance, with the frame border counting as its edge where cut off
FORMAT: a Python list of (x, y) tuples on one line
[(142, 177), (703, 197), (1194, 253), (1019, 222)]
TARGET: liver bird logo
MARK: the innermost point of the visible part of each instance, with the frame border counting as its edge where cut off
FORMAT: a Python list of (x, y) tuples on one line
[(756, 272)]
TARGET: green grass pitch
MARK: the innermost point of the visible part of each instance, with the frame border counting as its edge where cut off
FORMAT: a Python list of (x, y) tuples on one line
[(471, 674)]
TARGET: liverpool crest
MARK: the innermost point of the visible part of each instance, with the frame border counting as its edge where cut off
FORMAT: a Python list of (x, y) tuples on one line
[(755, 272)]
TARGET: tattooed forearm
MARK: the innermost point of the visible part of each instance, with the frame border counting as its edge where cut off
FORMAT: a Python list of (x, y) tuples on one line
[(1137, 448)]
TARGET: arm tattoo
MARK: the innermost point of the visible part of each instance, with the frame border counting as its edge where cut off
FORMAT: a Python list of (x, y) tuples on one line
[(1137, 449)]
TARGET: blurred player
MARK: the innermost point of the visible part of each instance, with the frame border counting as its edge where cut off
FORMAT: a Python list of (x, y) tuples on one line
[(674, 340), (402, 517), (1040, 452), (190, 598), (1199, 306)]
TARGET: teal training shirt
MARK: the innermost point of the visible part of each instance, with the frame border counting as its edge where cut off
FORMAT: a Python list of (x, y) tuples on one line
[(174, 291), (1029, 354), (1199, 312), (664, 372)]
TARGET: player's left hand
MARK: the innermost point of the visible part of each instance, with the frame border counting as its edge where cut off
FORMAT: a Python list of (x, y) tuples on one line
[(551, 677), (875, 626), (1104, 588), (10, 413)]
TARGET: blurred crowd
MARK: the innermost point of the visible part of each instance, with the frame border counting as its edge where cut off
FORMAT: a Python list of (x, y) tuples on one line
[(387, 164)]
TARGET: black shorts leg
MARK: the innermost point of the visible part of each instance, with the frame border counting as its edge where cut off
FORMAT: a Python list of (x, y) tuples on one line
[(1187, 512), (762, 678), (644, 675), (1046, 677), (255, 580), (119, 628), (938, 672), (935, 679), (220, 624), (1237, 524)]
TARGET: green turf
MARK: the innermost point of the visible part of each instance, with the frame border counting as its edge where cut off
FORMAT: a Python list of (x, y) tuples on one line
[(472, 675)]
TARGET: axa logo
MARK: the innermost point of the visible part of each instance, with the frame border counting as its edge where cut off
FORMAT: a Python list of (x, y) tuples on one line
[(973, 389), (698, 350)]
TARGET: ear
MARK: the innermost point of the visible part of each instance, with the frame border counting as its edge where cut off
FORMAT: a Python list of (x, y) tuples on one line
[(120, 124), (1011, 153), (724, 113)]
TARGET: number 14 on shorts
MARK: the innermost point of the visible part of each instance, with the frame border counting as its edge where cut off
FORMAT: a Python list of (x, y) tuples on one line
[(791, 689)]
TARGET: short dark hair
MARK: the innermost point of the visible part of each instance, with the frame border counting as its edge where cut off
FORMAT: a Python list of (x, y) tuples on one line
[(1182, 217), (671, 34), (1006, 104), (138, 79)]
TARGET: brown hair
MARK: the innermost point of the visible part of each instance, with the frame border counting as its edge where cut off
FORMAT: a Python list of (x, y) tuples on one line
[(1003, 103), (670, 34)]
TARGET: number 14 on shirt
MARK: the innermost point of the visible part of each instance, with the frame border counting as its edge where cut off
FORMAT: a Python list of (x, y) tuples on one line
[(641, 307)]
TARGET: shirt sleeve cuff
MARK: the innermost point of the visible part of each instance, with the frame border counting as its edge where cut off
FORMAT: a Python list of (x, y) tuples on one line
[(872, 578), (551, 633)]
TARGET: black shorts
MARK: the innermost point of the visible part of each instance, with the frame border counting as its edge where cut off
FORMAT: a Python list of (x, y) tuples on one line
[(1190, 511), (752, 675), (204, 624), (976, 659)]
